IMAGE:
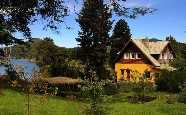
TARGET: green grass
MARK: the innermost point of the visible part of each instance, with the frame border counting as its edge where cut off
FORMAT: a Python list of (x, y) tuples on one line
[(119, 106), (14, 103)]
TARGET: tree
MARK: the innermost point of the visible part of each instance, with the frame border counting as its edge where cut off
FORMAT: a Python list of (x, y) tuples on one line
[(95, 24), (180, 51), (121, 34), (17, 15), (121, 29), (182, 95), (6, 38), (43, 51), (20, 51)]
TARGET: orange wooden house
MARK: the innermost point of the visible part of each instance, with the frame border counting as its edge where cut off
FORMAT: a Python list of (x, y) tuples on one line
[(143, 56)]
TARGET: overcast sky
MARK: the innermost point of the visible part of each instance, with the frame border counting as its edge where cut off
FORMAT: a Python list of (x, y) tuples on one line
[(169, 19)]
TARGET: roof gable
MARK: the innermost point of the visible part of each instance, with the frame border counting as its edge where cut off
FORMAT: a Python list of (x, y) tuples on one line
[(143, 49), (146, 52)]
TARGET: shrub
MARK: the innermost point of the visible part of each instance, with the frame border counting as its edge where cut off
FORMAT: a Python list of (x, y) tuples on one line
[(68, 69), (3, 82), (125, 86), (110, 88), (12, 74), (141, 88), (170, 81), (182, 96)]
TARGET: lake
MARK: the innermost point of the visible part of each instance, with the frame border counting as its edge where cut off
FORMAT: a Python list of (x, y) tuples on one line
[(28, 66)]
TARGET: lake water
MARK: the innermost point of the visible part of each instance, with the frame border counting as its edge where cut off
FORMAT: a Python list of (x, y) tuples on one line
[(27, 66)]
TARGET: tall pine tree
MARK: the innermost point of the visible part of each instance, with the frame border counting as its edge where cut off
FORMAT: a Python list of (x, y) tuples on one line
[(95, 24), (121, 34)]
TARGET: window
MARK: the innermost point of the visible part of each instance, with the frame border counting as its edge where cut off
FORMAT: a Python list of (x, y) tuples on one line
[(156, 56), (126, 55), (170, 56), (138, 55), (132, 55)]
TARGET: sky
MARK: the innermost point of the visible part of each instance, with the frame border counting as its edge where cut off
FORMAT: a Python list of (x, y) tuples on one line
[(168, 19)]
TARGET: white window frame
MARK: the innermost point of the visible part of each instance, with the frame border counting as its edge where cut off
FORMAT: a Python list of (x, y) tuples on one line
[(132, 53), (126, 55)]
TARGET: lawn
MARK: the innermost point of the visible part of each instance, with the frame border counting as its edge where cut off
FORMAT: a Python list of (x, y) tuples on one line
[(13, 103), (157, 107)]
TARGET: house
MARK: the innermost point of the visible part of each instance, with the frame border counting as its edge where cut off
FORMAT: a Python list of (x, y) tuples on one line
[(143, 56)]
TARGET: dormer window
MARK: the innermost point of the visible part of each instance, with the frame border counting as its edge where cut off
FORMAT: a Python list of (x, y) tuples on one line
[(127, 55), (133, 56), (138, 55)]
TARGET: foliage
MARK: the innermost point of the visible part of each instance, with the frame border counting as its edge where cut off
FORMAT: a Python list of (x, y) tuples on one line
[(94, 21), (182, 96), (28, 50), (68, 53), (71, 69), (17, 15), (3, 84), (41, 51), (111, 88), (121, 34), (20, 51), (61, 62), (12, 74), (121, 29), (180, 62), (6, 38), (180, 50), (170, 81), (142, 88), (93, 90)]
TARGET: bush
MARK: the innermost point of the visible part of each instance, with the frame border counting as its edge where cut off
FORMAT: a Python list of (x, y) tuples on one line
[(120, 87), (125, 86), (141, 89), (170, 81), (12, 74), (182, 96), (110, 89), (62, 70)]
